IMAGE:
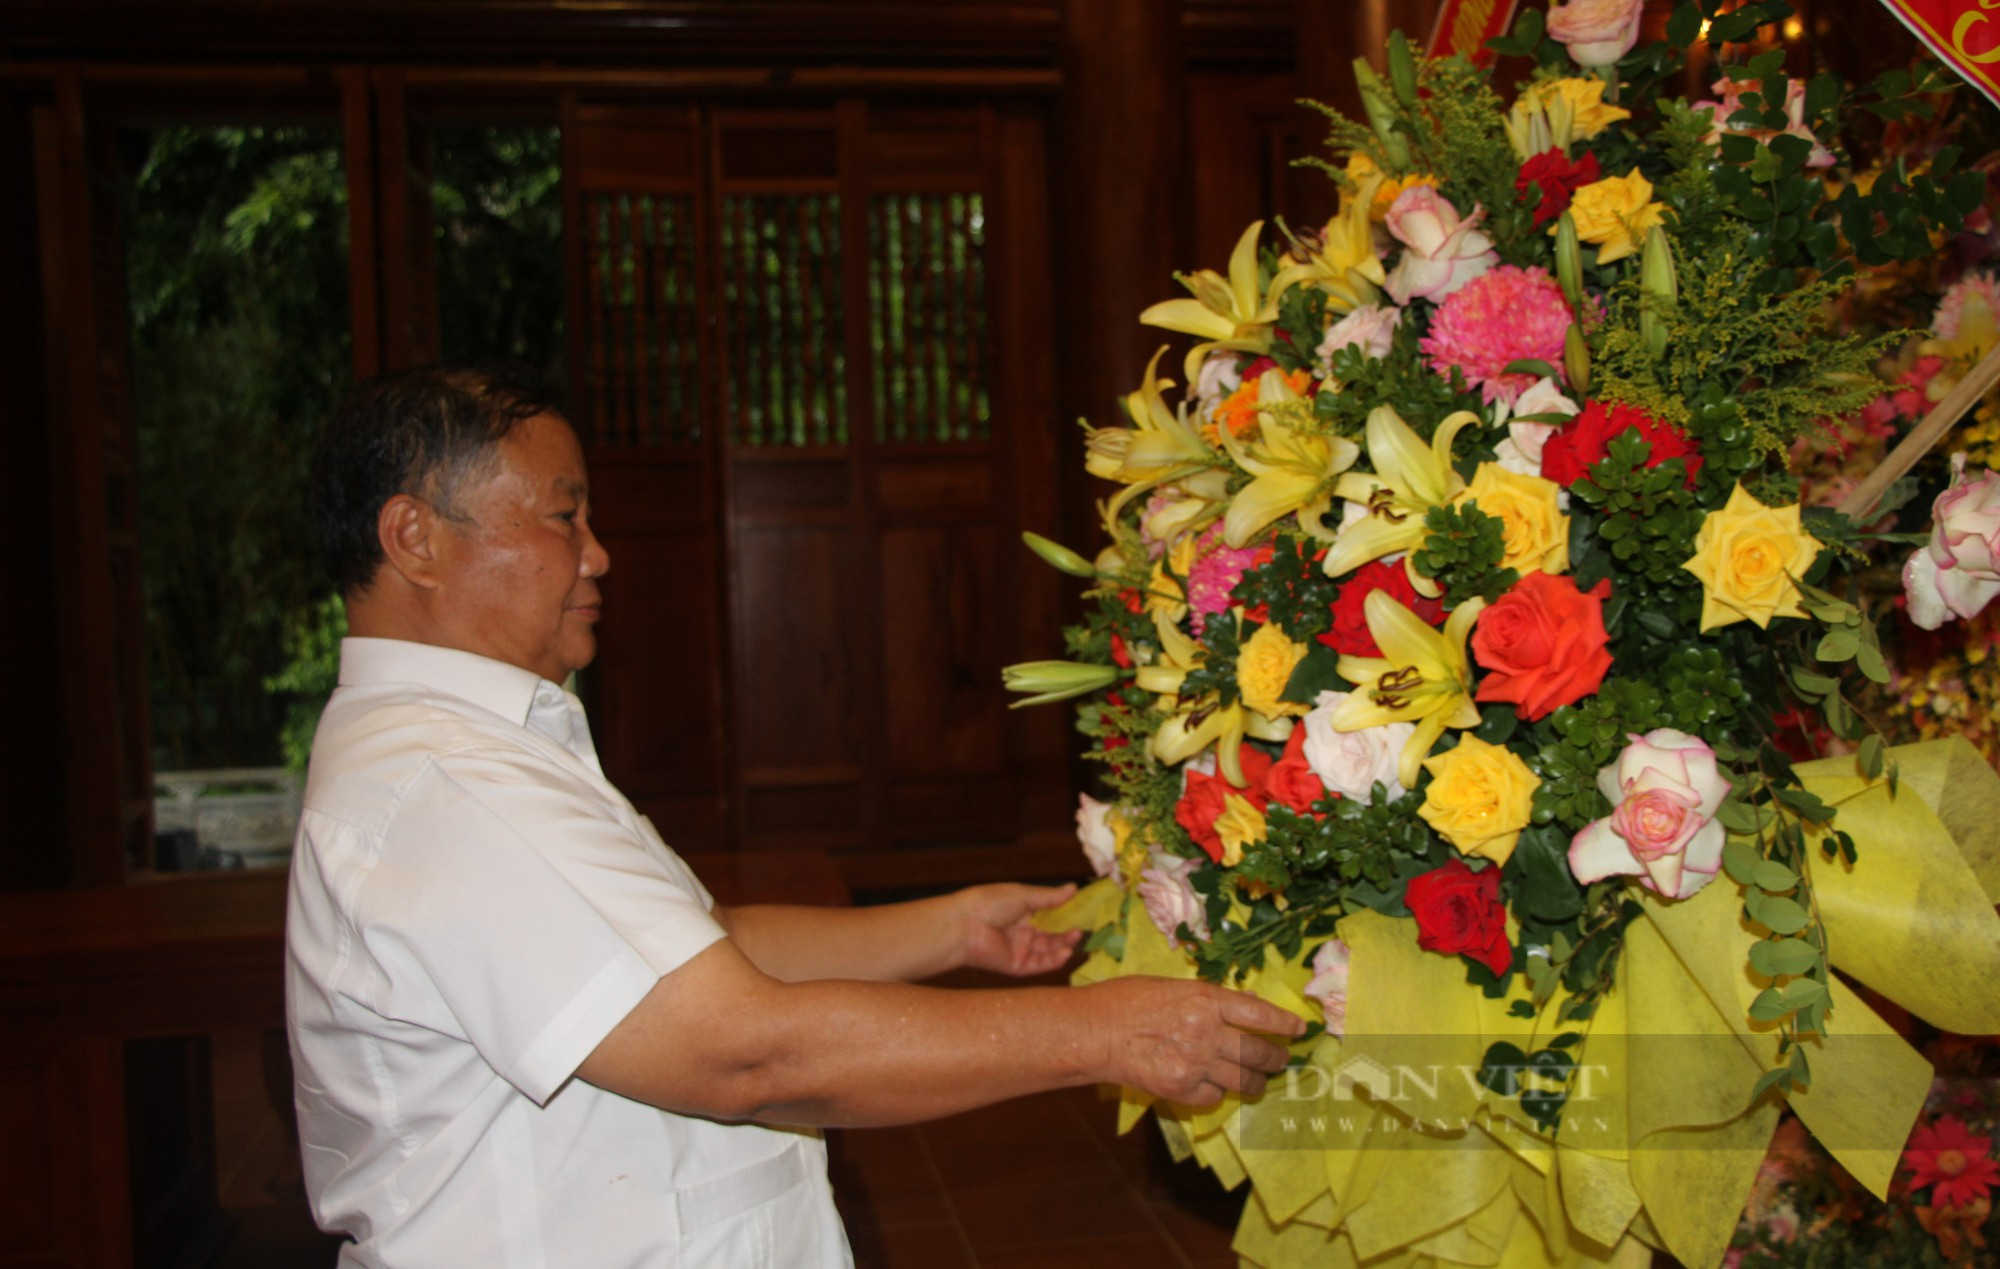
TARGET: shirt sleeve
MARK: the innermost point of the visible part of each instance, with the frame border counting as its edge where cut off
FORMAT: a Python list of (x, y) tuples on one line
[(536, 912)]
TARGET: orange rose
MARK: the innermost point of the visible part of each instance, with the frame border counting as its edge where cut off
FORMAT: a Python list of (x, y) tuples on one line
[(1543, 642)]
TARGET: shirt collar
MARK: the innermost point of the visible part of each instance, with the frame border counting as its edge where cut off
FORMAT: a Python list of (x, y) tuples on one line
[(495, 686)]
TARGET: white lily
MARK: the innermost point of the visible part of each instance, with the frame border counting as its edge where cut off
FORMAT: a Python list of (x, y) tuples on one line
[(1409, 479), (1292, 468), (1231, 313)]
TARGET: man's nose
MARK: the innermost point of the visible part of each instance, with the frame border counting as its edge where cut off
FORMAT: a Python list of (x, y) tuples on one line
[(596, 561)]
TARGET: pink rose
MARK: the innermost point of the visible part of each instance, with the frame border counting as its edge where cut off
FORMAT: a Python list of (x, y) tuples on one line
[(1596, 32), (1371, 328), (1170, 900), (1957, 573), (1664, 789), (1100, 843), (1329, 984), (1441, 251)]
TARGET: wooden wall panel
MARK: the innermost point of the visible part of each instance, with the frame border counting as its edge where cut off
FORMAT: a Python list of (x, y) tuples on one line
[(28, 1233)]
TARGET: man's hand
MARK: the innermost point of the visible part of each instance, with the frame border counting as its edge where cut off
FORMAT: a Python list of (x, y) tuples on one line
[(999, 929), (1190, 1042)]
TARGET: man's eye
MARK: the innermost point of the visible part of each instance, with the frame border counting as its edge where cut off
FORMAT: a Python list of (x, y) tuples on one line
[(567, 516)]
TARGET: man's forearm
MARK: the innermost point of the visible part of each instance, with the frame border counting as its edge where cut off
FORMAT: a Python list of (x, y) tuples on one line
[(897, 942)]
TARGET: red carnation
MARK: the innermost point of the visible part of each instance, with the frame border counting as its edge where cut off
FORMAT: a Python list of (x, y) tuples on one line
[(1458, 910), (1350, 635), (1586, 439), (1557, 178), (1292, 781), (1202, 803)]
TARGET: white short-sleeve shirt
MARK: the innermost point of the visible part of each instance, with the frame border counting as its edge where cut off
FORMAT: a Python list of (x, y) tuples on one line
[(473, 908)]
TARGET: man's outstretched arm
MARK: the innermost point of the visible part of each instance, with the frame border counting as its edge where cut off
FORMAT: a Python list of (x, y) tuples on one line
[(987, 927), (722, 1039)]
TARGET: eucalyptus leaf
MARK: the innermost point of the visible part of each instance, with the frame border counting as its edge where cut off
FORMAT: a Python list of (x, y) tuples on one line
[(1782, 916)]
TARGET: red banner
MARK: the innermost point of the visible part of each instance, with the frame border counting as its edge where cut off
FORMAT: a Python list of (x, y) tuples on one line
[(1965, 35), (1464, 26)]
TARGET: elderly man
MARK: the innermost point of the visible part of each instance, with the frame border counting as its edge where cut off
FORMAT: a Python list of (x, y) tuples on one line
[(524, 1033)]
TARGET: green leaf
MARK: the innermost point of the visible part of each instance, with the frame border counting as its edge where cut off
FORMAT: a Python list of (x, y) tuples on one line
[(1782, 916), (1317, 672), (1769, 1006), (1775, 877), (1501, 1070), (1544, 886), (1813, 685), (1870, 756), (1769, 1080), (1532, 366), (1840, 644), (1741, 860), (1801, 992), (1773, 957), (1869, 657)]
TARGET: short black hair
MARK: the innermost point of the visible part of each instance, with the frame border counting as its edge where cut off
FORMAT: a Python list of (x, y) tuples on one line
[(421, 431)]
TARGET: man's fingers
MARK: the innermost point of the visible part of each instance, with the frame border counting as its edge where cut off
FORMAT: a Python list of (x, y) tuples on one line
[(1251, 1013), (1261, 1055), (1040, 897)]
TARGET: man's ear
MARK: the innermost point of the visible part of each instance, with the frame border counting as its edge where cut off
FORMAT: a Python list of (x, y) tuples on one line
[(407, 527)]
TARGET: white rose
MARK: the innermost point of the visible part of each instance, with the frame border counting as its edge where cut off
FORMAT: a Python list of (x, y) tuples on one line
[(1957, 573), (1218, 378), (1663, 788), (1169, 898), (1544, 398), (1329, 984), (1441, 252), (1100, 844), (1351, 762), (1372, 328)]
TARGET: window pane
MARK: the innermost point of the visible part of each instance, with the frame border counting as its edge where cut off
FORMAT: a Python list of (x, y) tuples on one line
[(496, 195), (236, 269)]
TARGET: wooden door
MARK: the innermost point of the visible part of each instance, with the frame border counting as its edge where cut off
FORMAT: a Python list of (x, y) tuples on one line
[(812, 361)]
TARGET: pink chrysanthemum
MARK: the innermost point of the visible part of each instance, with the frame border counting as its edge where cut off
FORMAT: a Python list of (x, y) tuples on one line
[(1504, 315), (1217, 568), (1951, 309)]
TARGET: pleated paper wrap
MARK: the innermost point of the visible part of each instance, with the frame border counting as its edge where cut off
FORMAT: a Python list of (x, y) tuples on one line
[(1661, 1147)]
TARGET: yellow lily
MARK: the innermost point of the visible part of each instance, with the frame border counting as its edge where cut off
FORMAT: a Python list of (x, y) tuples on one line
[(1196, 724), (1292, 468), (1409, 479), (1231, 314), (1340, 260), (1422, 677), (1161, 445)]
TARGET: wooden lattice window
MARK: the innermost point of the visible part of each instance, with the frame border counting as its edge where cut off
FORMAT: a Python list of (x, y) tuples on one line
[(927, 317), (644, 374), (781, 262)]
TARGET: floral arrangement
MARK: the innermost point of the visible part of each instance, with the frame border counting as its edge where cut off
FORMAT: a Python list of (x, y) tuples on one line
[(1451, 621)]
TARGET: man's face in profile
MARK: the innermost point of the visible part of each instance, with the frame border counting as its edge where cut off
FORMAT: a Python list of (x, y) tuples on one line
[(521, 564)]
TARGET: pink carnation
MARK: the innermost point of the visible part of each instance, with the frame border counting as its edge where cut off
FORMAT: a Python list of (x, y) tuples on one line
[(1217, 569), (1506, 314), (1951, 309)]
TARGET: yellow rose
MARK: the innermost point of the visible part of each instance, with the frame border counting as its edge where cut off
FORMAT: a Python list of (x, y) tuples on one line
[(1239, 825), (1616, 213), (1479, 798), (1531, 519), (1263, 666), (1747, 556), (1585, 99)]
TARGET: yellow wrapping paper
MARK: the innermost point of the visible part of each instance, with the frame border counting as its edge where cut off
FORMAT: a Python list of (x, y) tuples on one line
[(1662, 1152)]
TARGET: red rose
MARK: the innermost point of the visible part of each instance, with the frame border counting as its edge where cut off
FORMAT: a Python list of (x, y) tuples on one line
[(1350, 635), (1586, 439), (1292, 781), (1458, 910), (1557, 178), (1121, 656), (1544, 643), (1202, 803)]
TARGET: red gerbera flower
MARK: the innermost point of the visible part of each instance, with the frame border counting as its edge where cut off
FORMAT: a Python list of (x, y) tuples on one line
[(1946, 1155)]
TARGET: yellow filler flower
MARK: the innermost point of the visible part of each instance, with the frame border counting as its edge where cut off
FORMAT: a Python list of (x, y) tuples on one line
[(1409, 479), (1293, 468), (1423, 676), (1231, 314)]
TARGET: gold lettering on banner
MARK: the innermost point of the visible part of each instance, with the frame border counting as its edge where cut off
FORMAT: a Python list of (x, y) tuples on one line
[(1471, 24), (1963, 28)]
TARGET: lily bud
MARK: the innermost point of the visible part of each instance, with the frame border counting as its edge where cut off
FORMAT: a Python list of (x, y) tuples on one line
[(1056, 680), (1058, 556), (1576, 360), (1381, 115), (1569, 262), (1659, 291), (1402, 70)]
